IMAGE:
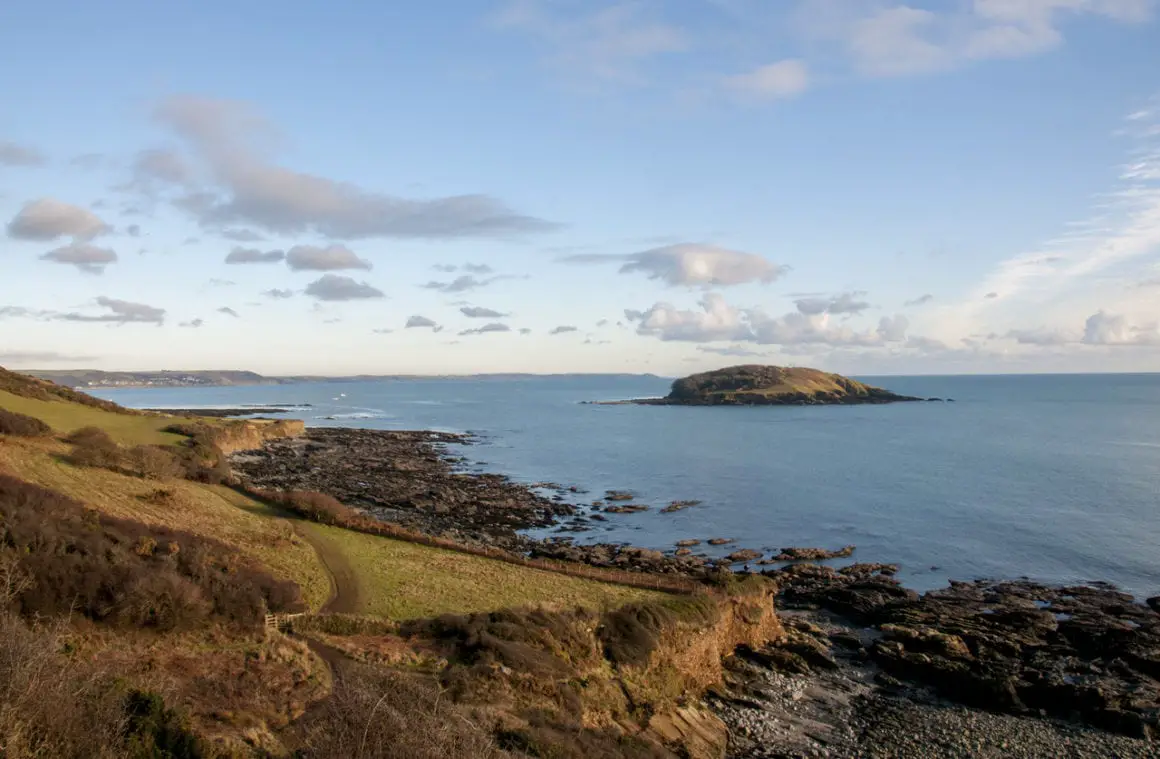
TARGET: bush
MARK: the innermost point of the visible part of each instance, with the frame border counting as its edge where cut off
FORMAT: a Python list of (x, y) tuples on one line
[(376, 714), (152, 463), (154, 730), (22, 425), (55, 705), (93, 447), (199, 458), (89, 436), (122, 572), (317, 507)]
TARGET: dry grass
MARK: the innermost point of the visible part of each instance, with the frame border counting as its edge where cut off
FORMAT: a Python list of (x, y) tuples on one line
[(127, 429), (209, 510), (402, 580)]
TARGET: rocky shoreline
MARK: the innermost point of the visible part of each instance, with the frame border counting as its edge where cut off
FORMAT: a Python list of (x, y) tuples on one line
[(975, 669)]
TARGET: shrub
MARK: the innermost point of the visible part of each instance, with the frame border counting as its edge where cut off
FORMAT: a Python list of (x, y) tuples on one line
[(126, 573), (89, 436), (160, 497), (317, 507), (154, 730), (373, 713), (152, 462), (22, 425), (93, 447)]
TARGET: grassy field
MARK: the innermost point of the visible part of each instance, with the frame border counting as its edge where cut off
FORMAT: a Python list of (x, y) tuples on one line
[(127, 429), (385, 577), (402, 580), (213, 511)]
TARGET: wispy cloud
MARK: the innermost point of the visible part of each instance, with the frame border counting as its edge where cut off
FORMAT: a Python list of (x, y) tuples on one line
[(598, 41), (1123, 230)]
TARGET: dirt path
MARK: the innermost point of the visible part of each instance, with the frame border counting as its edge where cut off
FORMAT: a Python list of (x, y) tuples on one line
[(344, 595)]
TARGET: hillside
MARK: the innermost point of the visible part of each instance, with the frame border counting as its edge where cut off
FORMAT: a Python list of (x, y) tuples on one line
[(761, 385), (194, 378), (159, 582)]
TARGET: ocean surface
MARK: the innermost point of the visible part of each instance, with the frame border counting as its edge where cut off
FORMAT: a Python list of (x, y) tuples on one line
[(1055, 478)]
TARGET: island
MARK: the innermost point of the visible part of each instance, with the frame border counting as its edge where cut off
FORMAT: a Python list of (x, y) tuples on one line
[(762, 385)]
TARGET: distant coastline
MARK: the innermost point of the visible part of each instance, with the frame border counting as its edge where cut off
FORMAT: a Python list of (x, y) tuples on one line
[(96, 379)]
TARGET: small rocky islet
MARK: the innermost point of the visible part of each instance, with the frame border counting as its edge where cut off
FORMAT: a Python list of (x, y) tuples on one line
[(768, 385)]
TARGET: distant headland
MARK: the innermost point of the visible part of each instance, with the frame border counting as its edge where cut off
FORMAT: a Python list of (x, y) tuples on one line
[(761, 385)]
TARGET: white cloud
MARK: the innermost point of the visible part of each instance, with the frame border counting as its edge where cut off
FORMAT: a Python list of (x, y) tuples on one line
[(485, 329), (563, 329), (921, 300), (1041, 336), (334, 287), (254, 256), (330, 258), (717, 321), (228, 311), (1103, 328), (1122, 233), (609, 42), (244, 187), (845, 303), (119, 312), (460, 284), (50, 219), (477, 312), (12, 154), (774, 81), (278, 294), (86, 257), (419, 322), (691, 264), (900, 40)]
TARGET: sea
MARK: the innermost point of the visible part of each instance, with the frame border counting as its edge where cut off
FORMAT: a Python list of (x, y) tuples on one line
[(1055, 478)]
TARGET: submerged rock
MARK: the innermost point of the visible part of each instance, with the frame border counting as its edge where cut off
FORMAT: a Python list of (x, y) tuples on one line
[(812, 554)]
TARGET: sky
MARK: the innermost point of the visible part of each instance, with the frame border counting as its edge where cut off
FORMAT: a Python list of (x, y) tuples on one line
[(663, 186)]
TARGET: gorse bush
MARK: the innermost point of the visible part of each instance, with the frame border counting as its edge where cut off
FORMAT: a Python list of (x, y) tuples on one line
[(92, 446), (22, 425), (152, 463), (199, 457), (374, 714), (121, 572), (53, 704)]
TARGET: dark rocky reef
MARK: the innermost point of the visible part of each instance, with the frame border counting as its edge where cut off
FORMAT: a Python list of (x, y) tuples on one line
[(1083, 653)]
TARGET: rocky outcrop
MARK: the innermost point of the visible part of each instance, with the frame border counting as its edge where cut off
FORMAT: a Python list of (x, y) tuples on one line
[(759, 385), (252, 434), (1085, 653)]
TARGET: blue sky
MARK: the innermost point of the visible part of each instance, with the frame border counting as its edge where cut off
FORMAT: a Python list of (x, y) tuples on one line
[(640, 186)]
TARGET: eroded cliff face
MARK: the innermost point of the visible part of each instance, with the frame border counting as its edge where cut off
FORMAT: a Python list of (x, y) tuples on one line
[(689, 661), (625, 683), (250, 434)]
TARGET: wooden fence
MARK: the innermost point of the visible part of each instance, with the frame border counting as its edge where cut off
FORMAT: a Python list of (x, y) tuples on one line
[(279, 622)]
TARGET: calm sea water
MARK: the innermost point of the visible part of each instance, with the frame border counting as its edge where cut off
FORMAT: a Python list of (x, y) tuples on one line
[(1056, 478)]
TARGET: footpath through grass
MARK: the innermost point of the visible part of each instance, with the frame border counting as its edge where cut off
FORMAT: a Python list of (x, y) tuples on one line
[(126, 429), (401, 580)]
